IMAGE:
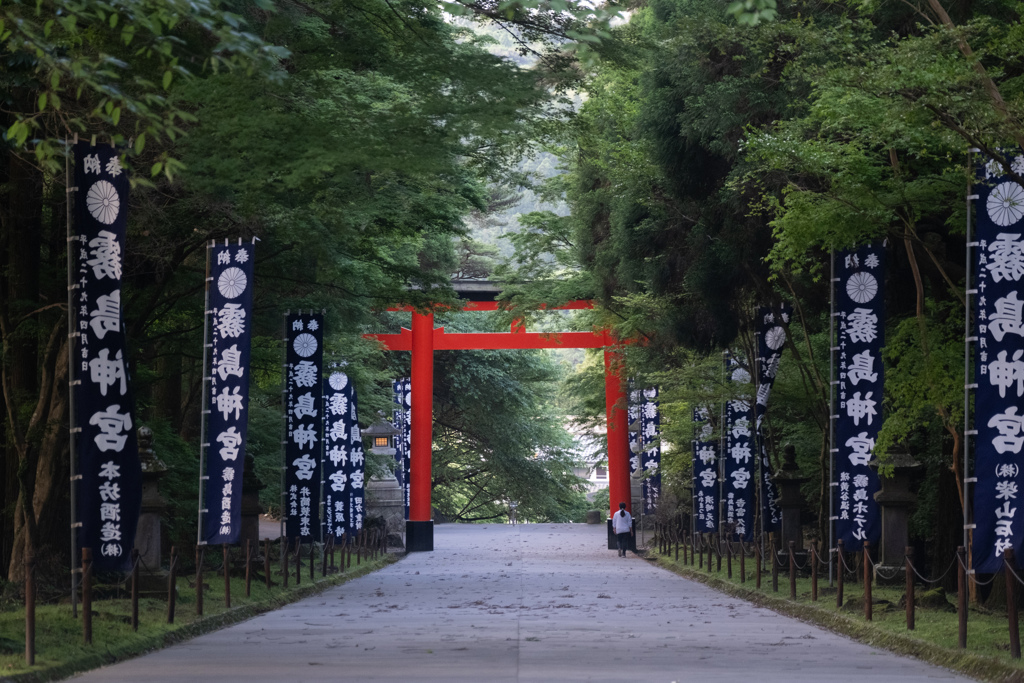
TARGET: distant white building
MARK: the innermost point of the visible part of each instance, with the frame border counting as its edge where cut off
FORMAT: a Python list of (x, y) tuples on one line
[(593, 459)]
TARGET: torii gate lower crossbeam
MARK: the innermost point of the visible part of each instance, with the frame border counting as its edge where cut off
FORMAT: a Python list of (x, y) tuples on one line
[(423, 339)]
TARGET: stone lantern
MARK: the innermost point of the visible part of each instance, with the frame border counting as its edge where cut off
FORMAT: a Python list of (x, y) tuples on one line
[(896, 503), (152, 579), (790, 502), (384, 496), (251, 508)]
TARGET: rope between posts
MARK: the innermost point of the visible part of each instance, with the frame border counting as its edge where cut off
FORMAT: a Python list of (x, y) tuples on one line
[(1015, 575), (875, 566), (973, 577), (847, 567), (948, 569), (882, 574)]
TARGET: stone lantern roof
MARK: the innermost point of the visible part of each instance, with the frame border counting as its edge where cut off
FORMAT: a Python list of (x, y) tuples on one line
[(379, 428)]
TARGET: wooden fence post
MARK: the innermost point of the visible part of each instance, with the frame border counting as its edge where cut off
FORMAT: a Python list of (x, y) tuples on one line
[(30, 608), (1011, 602), (814, 571), (867, 580), (961, 596), (840, 566), (909, 570), (172, 585), (248, 567), (227, 575), (135, 589), (266, 561), (87, 595), (775, 566), (792, 570)]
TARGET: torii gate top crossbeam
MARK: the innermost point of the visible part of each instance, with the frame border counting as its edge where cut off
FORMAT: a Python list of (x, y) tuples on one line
[(519, 338)]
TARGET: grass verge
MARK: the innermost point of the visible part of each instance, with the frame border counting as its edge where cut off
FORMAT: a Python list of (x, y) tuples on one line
[(61, 652), (934, 638)]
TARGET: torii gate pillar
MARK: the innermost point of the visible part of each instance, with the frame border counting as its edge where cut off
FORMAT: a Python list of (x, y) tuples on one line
[(618, 434), (419, 529)]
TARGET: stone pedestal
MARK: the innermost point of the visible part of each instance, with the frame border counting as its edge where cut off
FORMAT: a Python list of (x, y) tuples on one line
[(636, 497), (790, 502), (251, 508), (896, 503), (148, 541), (384, 498)]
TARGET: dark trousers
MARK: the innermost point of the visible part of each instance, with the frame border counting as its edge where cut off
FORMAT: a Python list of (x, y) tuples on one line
[(623, 541)]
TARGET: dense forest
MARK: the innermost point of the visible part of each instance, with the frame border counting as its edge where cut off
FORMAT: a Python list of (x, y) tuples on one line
[(354, 140), (723, 153), (709, 159)]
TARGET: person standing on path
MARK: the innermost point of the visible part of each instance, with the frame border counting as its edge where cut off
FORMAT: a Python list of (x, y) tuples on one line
[(622, 525)]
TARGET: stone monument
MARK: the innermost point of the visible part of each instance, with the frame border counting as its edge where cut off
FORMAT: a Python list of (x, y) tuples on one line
[(790, 502), (896, 503), (251, 508), (148, 538)]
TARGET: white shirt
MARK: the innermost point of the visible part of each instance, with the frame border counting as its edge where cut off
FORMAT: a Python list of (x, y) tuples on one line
[(622, 524)]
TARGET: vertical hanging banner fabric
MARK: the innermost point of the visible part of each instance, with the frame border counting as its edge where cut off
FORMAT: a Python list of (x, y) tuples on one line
[(408, 440), (998, 266), (402, 391), (633, 401), (739, 483), (337, 398), (705, 475), (771, 338), (356, 466), (304, 336), (230, 293), (859, 300), (650, 449), (110, 489)]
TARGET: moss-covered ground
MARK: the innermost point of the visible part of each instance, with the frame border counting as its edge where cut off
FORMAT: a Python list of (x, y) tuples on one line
[(60, 647), (934, 638)]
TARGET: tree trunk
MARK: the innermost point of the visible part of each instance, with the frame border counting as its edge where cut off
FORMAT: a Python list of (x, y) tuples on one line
[(43, 467)]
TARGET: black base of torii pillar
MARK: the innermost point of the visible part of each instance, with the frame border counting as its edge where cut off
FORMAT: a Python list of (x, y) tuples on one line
[(419, 536)]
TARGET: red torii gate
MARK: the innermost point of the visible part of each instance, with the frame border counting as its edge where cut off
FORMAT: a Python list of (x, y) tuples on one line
[(423, 339)]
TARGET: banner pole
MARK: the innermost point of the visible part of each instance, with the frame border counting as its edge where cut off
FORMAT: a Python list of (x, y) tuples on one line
[(755, 437), (69, 191), (205, 403), (323, 437), (967, 360), (284, 436), (722, 454), (831, 407)]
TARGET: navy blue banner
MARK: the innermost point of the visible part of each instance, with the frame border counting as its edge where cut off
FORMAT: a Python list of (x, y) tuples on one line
[(303, 446), (771, 338), (860, 307), (337, 406), (402, 418), (633, 401), (739, 484), (110, 490), (230, 290), (650, 449), (705, 474), (356, 466), (998, 366)]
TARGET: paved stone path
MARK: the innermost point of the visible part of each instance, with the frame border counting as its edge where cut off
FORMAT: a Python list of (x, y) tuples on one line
[(534, 602)]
